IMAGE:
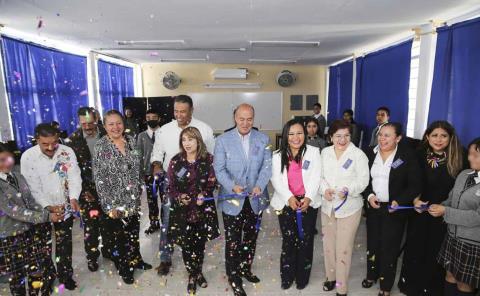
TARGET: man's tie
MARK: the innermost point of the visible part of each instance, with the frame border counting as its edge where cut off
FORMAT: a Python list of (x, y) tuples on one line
[(153, 138), (470, 180), (11, 180)]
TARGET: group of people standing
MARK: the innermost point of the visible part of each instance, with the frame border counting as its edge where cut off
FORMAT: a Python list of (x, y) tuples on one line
[(433, 194)]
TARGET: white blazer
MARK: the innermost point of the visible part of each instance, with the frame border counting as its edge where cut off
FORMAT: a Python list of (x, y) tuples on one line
[(350, 171), (311, 179)]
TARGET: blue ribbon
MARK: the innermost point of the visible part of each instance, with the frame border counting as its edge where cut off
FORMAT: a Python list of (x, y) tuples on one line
[(300, 224), (343, 202), (225, 196), (423, 207), (77, 214), (154, 185)]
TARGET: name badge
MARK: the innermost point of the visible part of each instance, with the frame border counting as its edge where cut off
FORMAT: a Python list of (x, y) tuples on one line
[(306, 164), (397, 163), (347, 164), (181, 172)]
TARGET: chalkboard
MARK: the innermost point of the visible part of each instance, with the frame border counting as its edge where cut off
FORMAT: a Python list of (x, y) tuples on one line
[(216, 108)]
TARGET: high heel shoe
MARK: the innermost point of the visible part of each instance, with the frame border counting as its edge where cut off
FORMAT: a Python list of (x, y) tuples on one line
[(329, 285), (366, 283)]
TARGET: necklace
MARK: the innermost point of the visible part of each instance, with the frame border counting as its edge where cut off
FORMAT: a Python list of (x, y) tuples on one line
[(434, 159)]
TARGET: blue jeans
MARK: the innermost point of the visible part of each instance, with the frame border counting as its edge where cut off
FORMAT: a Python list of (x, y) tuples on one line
[(166, 249)]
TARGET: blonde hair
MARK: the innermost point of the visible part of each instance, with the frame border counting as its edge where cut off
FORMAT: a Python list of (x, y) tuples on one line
[(194, 133)]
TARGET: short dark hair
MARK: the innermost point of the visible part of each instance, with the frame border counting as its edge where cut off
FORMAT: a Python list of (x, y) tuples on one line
[(349, 111), (183, 99), (4, 148), (317, 105), (476, 143), (397, 127), (311, 119), (338, 125), (55, 123), (383, 108), (152, 111), (84, 111), (45, 130)]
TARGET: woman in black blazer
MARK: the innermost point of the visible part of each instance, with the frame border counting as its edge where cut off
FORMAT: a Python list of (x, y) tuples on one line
[(394, 181)]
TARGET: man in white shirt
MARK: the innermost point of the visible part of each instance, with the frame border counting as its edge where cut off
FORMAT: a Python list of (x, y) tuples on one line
[(53, 175), (165, 147), (322, 122)]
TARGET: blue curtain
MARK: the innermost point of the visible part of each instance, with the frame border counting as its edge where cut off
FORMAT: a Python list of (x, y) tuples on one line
[(339, 90), (383, 80), (115, 82), (43, 85), (456, 79)]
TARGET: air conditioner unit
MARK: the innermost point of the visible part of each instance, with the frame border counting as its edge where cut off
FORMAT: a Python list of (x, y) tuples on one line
[(240, 73)]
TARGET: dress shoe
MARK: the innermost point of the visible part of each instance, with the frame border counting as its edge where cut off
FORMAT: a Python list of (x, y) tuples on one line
[(154, 227), (143, 265), (249, 276), (128, 279), (286, 285), (92, 265), (368, 283), (237, 287), (301, 286), (164, 268), (69, 284), (192, 285), (201, 281)]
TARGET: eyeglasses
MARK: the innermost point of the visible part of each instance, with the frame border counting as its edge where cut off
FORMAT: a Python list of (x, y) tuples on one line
[(339, 137)]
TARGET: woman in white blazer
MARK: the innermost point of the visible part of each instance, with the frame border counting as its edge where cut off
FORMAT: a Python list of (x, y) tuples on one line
[(296, 180), (345, 175)]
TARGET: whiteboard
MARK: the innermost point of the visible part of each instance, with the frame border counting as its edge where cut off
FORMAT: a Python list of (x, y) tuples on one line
[(216, 108)]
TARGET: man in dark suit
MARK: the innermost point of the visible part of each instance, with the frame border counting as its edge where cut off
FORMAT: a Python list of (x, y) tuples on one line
[(322, 122), (82, 141), (382, 117)]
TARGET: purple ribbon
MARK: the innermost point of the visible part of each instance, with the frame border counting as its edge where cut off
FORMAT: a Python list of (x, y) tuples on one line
[(300, 224), (343, 202), (423, 207)]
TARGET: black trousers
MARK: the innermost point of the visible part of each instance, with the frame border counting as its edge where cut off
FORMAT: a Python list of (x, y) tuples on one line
[(152, 201), (297, 254), (193, 249), (62, 232), (421, 274), (122, 242), (91, 215), (241, 240), (384, 238)]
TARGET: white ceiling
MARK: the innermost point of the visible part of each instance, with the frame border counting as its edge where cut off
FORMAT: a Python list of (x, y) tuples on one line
[(341, 26)]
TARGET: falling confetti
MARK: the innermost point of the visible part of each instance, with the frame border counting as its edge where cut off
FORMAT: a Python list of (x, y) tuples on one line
[(40, 24)]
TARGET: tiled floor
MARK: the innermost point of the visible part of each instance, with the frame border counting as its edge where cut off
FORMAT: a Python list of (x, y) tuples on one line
[(106, 282)]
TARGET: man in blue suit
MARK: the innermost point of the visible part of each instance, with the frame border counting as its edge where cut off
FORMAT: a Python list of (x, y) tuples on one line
[(242, 163)]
